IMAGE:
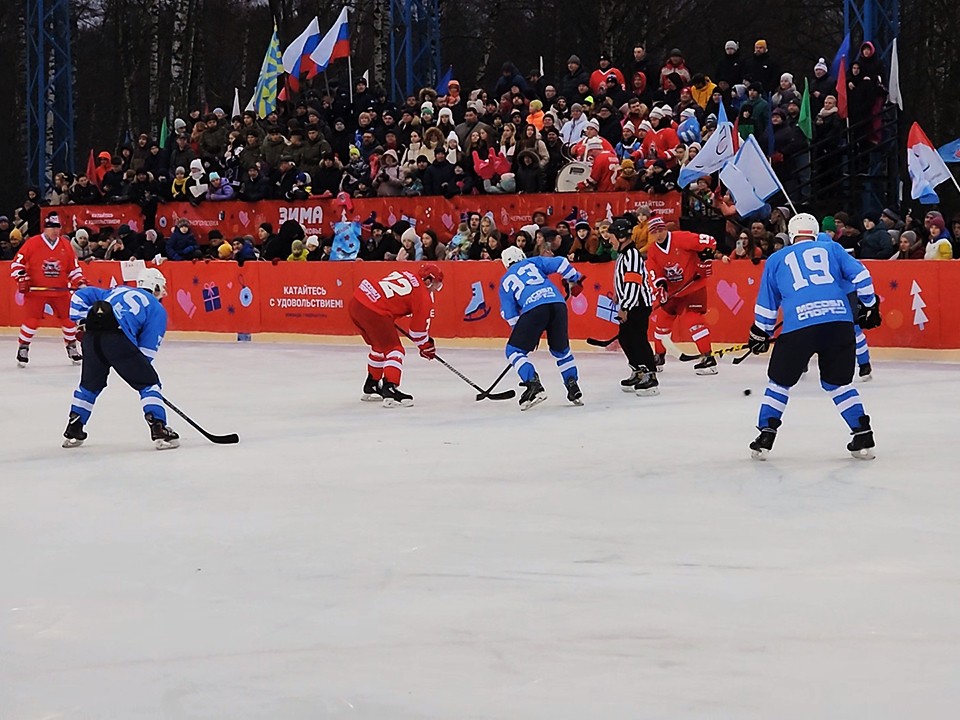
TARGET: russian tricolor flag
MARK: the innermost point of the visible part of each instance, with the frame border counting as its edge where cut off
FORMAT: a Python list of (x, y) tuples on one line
[(296, 58), (335, 44)]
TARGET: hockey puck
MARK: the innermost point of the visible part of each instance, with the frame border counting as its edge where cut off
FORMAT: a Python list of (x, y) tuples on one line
[(747, 391)]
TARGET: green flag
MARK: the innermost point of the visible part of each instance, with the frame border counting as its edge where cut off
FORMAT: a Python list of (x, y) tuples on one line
[(164, 134), (804, 122)]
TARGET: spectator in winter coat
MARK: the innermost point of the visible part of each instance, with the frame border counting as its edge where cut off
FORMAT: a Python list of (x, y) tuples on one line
[(509, 77), (80, 244), (674, 64), (754, 114), (598, 79), (876, 243), (182, 245), (574, 77), (821, 86), (440, 178), (219, 188), (328, 178), (528, 174), (243, 249), (274, 147), (572, 131), (84, 192), (182, 154), (214, 138), (610, 129), (153, 246), (910, 247), (729, 70), (760, 67), (255, 186), (786, 93), (939, 246)]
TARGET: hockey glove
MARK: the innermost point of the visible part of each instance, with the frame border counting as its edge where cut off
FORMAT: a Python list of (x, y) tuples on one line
[(660, 291), (576, 287), (869, 317), (428, 350), (23, 283), (705, 268), (759, 341)]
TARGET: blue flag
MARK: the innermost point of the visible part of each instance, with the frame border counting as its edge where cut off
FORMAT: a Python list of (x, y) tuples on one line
[(844, 51), (722, 114), (443, 86), (950, 152)]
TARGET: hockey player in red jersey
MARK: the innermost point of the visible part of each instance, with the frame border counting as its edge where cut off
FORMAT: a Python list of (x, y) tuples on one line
[(604, 168), (679, 261), (46, 270), (375, 307)]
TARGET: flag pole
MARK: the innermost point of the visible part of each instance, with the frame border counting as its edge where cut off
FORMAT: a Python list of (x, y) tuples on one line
[(350, 76)]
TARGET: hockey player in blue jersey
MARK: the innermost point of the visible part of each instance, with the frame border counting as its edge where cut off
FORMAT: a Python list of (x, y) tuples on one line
[(532, 304), (805, 280), (122, 329), (863, 350)]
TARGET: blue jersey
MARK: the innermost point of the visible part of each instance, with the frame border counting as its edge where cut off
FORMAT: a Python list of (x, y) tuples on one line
[(140, 315), (525, 285), (810, 281)]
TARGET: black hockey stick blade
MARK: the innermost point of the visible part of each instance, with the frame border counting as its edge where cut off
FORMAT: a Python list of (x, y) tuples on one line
[(230, 439), (504, 395), (602, 343)]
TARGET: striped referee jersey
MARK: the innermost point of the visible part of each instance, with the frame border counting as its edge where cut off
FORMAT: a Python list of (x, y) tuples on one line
[(631, 281)]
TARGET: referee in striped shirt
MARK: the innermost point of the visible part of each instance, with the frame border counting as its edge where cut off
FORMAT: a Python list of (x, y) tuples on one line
[(635, 301)]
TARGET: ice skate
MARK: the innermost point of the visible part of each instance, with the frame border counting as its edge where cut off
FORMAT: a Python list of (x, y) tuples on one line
[(534, 394), (865, 373), (371, 390), (659, 360), (647, 385), (393, 397), (73, 352), (706, 366), (861, 447), (574, 394), (163, 437), (23, 355), (74, 434), (762, 446), (629, 384)]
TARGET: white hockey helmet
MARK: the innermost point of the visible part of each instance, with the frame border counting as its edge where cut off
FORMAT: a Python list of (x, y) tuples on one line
[(153, 281), (803, 225), (512, 255)]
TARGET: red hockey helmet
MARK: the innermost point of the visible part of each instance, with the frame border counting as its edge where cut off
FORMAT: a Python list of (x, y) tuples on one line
[(432, 276)]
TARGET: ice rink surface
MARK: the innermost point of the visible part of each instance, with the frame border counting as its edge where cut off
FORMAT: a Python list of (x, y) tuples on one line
[(462, 560)]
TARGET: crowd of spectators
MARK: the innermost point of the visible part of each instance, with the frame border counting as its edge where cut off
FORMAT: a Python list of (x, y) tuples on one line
[(640, 120)]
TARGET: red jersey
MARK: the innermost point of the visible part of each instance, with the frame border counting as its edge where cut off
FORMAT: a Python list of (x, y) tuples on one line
[(676, 261), (579, 148), (398, 295), (604, 171), (49, 266)]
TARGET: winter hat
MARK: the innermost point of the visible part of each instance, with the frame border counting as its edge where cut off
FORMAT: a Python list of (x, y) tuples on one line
[(782, 237), (427, 108), (354, 151), (760, 44), (593, 144), (452, 135), (656, 223), (821, 65), (629, 126), (313, 242), (937, 221), (179, 125), (688, 113), (829, 224), (214, 176), (780, 112), (16, 235), (645, 126), (123, 230), (576, 106), (675, 52), (536, 105), (82, 234), (731, 45), (409, 234), (581, 225), (656, 113), (874, 217), (787, 77), (445, 113), (891, 214), (627, 166), (592, 122), (296, 247), (225, 251), (573, 59)]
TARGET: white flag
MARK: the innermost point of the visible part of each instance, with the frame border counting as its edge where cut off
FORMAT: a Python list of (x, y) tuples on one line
[(749, 177), (236, 103), (716, 151), (895, 97)]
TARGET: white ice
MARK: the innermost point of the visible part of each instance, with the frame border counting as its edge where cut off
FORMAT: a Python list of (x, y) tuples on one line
[(462, 560)]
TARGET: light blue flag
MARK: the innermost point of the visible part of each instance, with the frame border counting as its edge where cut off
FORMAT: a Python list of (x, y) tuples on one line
[(716, 151)]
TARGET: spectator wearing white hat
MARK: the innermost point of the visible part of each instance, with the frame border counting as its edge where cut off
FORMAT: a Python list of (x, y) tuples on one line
[(572, 131)]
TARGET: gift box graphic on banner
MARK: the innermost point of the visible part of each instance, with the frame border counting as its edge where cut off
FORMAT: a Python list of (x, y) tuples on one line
[(607, 308), (211, 297)]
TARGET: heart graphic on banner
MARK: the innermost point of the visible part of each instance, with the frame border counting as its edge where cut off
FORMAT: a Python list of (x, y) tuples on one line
[(243, 217), (229, 286), (730, 296), (447, 220), (134, 225)]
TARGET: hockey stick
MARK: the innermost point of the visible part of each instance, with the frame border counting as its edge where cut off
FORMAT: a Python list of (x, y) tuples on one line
[(727, 350), (487, 393), (603, 343), (230, 439), (505, 395)]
